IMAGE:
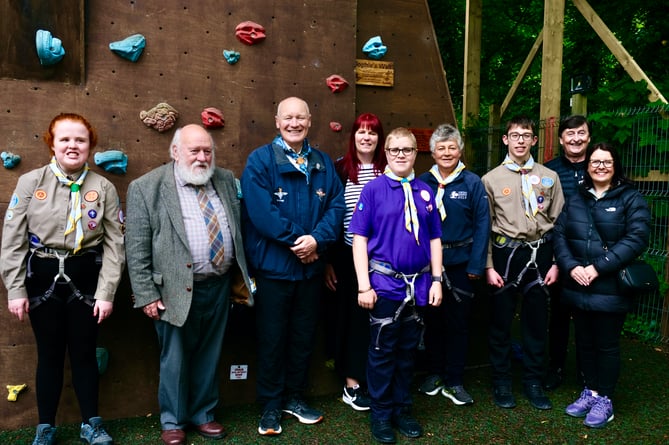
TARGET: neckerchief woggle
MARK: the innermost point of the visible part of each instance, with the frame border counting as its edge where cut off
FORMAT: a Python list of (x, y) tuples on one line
[(300, 158), (410, 212), (529, 198), (74, 219), (442, 185)]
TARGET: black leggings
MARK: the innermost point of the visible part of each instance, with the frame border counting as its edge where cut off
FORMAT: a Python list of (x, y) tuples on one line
[(59, 326), (598, 348)]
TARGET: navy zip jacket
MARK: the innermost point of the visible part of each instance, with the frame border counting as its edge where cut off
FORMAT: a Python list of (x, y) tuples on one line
[(570, 173), (467, 218), (615, 236), (280, 206)]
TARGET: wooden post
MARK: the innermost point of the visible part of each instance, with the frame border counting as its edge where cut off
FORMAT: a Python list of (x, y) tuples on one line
[(472, 76), (579, 104), (551, 67), (494, 118)]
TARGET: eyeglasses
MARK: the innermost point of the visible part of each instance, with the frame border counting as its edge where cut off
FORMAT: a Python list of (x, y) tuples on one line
[(525, 136), (596, 163), (406, 151)]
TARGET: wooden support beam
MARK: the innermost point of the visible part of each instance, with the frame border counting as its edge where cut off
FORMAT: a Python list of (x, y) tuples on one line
[(579, 104), (521, 74), (617, 49), (494, 135), (551, 67), (472, 76)]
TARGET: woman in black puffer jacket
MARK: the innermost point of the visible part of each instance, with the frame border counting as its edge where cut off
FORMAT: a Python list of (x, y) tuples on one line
[(601, 230)]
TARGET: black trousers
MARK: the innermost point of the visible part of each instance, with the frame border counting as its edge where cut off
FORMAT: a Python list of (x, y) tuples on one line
[(287, 313), (533, 314), (351, 325), (558, 329), (447, 329)]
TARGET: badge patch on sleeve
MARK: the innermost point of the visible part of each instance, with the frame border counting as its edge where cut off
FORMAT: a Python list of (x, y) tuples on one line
[(14, 201)]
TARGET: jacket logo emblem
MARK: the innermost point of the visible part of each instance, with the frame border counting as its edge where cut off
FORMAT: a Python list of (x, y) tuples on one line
[(280, 194)]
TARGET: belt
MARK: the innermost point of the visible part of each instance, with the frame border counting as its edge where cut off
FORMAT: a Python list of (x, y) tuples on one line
[(504, 241), (50, 252), (456, 244)]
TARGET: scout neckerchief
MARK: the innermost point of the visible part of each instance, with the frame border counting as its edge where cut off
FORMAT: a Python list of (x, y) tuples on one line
[(299, 158), (74, 219), (443, 183), (410, 212), (529, 197)]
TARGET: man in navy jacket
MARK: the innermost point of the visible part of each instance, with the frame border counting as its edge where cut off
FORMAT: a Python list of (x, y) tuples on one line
[(574, 133), (294, 206)]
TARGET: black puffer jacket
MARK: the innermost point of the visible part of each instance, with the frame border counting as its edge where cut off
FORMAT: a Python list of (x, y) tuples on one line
[(622, 222)]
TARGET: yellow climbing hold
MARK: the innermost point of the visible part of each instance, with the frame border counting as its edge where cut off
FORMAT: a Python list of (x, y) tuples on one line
[(14, 391)]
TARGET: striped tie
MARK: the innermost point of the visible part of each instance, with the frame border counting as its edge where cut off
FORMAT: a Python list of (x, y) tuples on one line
[(213, 227)]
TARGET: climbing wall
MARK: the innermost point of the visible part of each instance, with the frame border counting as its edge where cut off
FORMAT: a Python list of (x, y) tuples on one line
[(183, 65)]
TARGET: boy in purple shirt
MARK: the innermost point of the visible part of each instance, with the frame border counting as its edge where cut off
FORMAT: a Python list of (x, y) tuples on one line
[(397, 255)]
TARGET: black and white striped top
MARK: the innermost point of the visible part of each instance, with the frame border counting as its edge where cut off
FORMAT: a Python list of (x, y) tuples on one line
[(352, 194)]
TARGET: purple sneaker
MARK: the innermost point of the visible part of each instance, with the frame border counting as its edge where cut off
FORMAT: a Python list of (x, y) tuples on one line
[(600, 414), (582, 405)]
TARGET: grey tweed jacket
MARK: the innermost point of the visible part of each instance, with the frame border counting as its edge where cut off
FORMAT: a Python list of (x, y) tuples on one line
[(157, 250)]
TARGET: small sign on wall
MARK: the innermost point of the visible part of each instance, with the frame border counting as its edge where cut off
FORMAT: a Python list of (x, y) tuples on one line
[(374, 72), (239, 372), (422, 138)]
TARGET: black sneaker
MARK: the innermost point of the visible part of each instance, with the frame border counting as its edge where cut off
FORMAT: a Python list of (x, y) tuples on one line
[(503, 396), (382, 431), (538, 399), (407, 425), (457, 394), (431, 385), (302, 411), (270, 423), (356, 398)]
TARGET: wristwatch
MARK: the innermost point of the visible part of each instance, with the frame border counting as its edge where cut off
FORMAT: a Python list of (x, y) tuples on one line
[(436, 278)]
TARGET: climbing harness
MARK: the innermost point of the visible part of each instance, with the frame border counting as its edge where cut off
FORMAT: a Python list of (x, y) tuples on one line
[(61, 277), (456, 291), (501, 241), (409, 298)]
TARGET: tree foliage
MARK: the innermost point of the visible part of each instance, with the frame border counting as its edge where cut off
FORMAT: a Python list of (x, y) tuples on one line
[(510, 29)]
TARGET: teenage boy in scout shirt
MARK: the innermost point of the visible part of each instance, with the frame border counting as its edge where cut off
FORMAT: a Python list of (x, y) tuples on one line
[(397, 236), (525, 199)]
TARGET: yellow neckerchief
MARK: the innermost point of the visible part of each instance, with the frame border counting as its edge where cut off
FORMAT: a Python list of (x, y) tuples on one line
[(74, 219), (442, 185), (410, 212), (529, 197)]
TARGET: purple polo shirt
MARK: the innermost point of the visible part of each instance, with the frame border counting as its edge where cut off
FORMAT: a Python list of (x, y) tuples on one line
[(379, 216)]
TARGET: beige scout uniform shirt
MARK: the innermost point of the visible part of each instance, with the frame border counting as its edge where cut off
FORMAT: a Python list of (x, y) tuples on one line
[(507, 208), (40, 207)]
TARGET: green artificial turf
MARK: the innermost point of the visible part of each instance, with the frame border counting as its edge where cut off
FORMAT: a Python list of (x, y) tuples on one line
[(641, 415)]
